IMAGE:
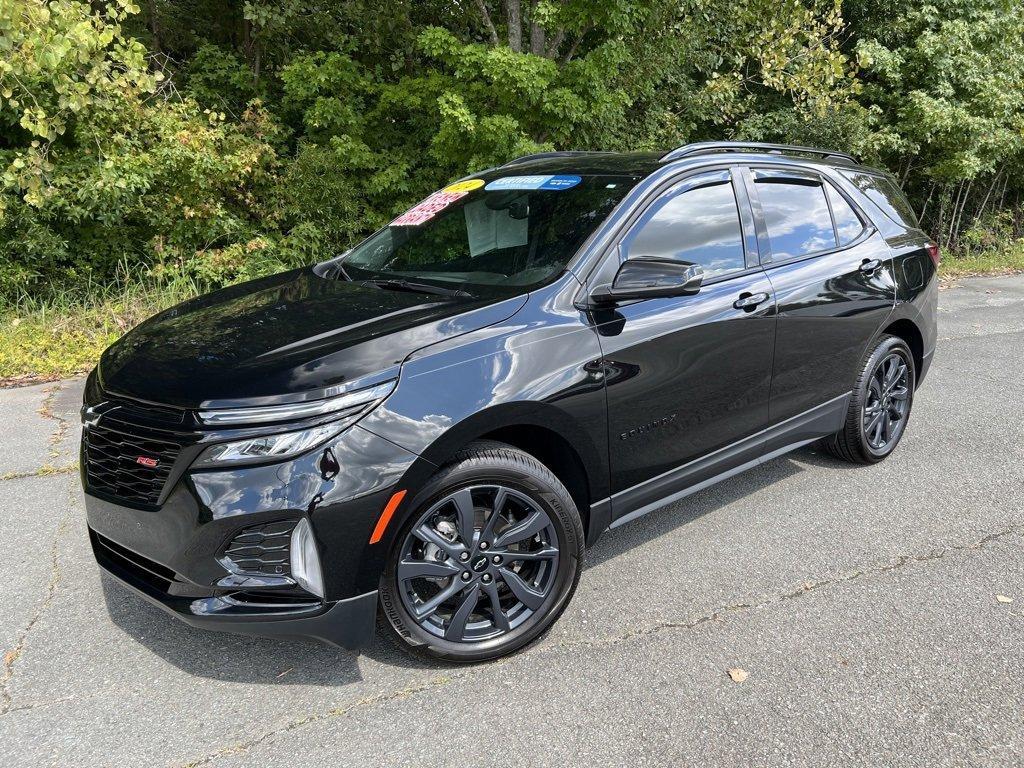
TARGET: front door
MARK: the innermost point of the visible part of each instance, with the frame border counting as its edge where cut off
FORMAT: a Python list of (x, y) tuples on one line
[(688, 378)]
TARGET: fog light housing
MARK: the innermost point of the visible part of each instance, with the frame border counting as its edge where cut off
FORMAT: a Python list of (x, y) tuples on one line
[(305, 561)]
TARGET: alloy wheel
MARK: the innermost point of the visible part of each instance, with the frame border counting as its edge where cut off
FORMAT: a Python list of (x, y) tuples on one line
[(478, 563), (887, 403)]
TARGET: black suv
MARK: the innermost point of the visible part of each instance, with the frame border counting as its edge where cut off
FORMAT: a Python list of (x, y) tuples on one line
[(433, 426)]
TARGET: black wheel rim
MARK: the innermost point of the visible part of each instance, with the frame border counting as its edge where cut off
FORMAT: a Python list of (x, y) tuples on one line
[(478, 564), (887, 402)]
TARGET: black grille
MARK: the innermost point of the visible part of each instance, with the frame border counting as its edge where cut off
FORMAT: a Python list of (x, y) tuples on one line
[(262, 550), (121, 446)]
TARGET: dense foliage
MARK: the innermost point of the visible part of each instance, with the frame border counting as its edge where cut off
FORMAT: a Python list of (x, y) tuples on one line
[(211, 140)]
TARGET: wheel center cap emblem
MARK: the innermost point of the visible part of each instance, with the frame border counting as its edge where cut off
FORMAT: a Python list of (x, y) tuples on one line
[(480, 564)]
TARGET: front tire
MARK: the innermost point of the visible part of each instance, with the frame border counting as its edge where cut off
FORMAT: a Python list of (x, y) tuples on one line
[(880, 406), (488, 559)]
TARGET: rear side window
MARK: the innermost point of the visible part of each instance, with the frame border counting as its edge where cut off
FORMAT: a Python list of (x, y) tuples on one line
[(848, 224), (884, 193), (796, 215), (699, 226)]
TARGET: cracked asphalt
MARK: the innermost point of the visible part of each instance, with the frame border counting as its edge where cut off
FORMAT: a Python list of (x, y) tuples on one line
[(864, 604)]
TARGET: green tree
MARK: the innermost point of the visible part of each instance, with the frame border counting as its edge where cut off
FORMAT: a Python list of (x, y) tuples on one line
[(944, 83)]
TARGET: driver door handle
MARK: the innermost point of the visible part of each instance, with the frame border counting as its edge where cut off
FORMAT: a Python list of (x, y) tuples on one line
[(750, 301)]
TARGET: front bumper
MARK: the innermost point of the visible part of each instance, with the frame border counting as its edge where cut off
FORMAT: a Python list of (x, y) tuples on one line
[(174, 554), (346, 623)]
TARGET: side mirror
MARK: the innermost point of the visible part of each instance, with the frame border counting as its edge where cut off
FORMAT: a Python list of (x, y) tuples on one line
[(648, 278)]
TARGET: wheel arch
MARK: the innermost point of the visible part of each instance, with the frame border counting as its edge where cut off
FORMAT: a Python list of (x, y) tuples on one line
[(556, 453), (545, 432), (906, 329)]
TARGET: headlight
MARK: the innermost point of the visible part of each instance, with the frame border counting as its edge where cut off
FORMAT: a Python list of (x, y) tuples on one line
[(345, 410), (359, 401), (255, 450)]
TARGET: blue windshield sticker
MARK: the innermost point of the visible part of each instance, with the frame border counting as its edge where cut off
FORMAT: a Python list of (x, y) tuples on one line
[(562, 181)]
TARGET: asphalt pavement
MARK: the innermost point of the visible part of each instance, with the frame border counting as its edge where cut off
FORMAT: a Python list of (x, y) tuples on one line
[(875, 616)]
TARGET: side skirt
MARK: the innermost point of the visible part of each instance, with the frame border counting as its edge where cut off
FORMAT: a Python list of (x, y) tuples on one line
[(696, 475)]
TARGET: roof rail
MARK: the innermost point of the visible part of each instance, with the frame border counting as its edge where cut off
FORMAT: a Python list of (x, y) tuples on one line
[(707, 147), (542, 155)]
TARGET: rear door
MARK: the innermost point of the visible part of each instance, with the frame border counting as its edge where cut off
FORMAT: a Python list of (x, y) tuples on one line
[(831, 273)]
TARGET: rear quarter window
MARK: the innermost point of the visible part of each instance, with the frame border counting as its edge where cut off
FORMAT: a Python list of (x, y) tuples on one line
[(848, 223), (884, 193)]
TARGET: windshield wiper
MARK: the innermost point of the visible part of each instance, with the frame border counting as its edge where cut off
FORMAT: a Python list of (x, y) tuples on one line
[(406, 285)]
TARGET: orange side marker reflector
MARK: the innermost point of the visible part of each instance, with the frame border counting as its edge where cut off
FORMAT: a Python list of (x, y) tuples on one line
[(385, 516)]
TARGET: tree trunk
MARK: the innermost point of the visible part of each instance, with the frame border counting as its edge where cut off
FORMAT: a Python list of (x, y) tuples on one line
[(992, 186), (952, 215), (572, 49), (942, 217), (537, 40), (154, 25), (514, 14), (1002, 197), (954, 232), (251, 47), (492, 33), (924, 208), (537, 32), (906, 173), (555, 44)]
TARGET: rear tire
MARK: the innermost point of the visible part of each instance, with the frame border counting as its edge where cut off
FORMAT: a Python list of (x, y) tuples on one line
[(487, 561), (880, 405)]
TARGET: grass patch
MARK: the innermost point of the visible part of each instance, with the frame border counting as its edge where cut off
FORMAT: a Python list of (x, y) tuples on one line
[(994, 261), (44, 471), (64, 335)]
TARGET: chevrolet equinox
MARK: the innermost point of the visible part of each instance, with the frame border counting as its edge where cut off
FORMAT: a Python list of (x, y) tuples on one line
[(428, 430)]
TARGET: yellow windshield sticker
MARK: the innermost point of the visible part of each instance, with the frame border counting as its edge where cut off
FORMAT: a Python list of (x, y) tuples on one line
[(464, 186)]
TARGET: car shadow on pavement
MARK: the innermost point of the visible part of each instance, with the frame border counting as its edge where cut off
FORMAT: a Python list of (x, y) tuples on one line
[(665, 520), (243, 658)]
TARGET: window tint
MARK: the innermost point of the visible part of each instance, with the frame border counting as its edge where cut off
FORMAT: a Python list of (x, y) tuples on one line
[(797, 217), (884, 193), (699, 226), (848, 224)]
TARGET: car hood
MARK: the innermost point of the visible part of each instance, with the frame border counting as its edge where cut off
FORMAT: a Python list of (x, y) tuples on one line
[(287, 337)]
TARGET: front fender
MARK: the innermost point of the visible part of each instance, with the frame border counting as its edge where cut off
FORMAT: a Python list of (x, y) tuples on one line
[(540, 368)]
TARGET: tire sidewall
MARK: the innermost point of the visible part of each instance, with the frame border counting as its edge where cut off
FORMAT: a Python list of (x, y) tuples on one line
[(483, 471), (882, 350)]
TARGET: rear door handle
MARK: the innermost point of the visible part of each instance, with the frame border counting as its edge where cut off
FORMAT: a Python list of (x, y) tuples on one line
[(870, 265), (749, 301)]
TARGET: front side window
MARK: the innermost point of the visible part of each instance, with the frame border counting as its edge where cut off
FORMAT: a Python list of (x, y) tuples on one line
[(795, 214), (490, 233), (698, 226)]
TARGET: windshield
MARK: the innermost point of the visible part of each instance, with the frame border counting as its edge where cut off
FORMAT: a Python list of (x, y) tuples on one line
[(506, 231)]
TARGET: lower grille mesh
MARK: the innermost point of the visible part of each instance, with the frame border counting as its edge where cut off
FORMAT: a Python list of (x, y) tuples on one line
[(262, 550)]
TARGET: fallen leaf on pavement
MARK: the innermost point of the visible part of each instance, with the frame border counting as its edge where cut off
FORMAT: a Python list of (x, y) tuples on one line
[(1004, 599), (737, 674)]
